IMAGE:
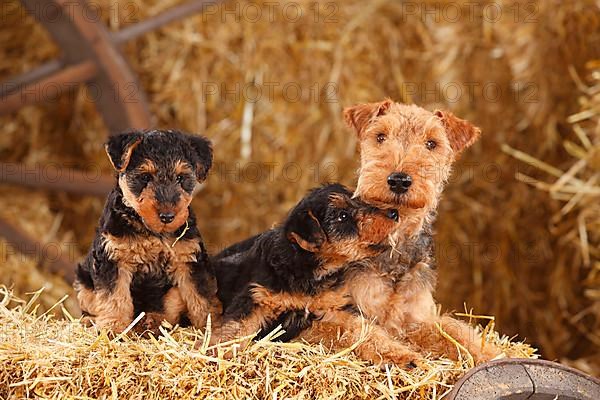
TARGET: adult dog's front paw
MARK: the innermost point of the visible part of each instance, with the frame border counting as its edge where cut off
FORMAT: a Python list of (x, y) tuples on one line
[(403, 359)]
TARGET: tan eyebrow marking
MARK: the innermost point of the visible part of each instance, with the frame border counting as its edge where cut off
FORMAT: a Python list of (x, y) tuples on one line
[(148, 167), (181, 167)]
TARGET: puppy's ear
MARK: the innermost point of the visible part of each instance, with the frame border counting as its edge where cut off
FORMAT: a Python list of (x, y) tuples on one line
[(120, 147), (461, 133), (203, 149), (359, 116), (304, 229)]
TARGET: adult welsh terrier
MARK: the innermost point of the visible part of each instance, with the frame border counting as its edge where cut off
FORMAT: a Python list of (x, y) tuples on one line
[(406, 157)]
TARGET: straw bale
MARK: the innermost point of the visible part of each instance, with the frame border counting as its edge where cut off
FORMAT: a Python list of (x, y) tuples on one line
[(499, 248), (41, 356)]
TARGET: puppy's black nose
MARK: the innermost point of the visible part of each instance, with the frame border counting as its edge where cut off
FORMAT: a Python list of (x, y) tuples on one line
[(399, 182), (392, 214), (166, 217)]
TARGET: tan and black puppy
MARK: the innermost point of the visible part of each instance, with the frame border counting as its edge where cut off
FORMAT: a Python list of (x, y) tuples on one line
[(290, 275), (148, 255)]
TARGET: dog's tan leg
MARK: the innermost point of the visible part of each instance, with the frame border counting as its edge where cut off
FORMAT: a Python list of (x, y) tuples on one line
[(246, 326), (114, 309), (441, 335), (87, 303), (86, 299), (468, 337), (174, 306), (198, 306), (341, 329)]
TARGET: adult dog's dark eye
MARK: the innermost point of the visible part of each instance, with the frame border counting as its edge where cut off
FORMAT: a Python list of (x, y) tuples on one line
[(393, 214), (180, 179), (146, 177), (431, 144), (381, 137), (343, 216)]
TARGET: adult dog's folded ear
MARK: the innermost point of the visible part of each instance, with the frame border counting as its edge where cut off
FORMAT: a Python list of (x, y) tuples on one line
[(461, 133), (304, 229), (203, 149), (360, 115), (120, 147)]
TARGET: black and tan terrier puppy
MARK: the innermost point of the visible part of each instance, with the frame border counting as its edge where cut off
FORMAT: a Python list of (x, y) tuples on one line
[(289, 275), (406, 157), (148, 255)]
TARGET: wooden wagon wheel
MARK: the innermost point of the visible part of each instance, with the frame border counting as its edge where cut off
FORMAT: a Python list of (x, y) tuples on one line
[(525, 379), (91, 56)]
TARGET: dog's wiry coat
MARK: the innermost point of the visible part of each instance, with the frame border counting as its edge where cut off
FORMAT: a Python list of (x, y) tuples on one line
[(148, 255), (396, 289)]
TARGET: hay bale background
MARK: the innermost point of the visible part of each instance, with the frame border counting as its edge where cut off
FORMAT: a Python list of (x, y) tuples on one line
[(499, 248)]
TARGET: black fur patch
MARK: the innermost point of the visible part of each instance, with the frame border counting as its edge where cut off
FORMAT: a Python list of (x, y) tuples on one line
[(148, 292)]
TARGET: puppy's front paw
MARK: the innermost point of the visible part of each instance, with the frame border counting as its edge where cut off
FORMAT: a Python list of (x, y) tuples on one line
[(113, 326), (150, 324)]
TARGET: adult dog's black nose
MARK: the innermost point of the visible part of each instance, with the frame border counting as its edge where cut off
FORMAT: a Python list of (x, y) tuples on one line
[(166, 217), (399, 182)]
